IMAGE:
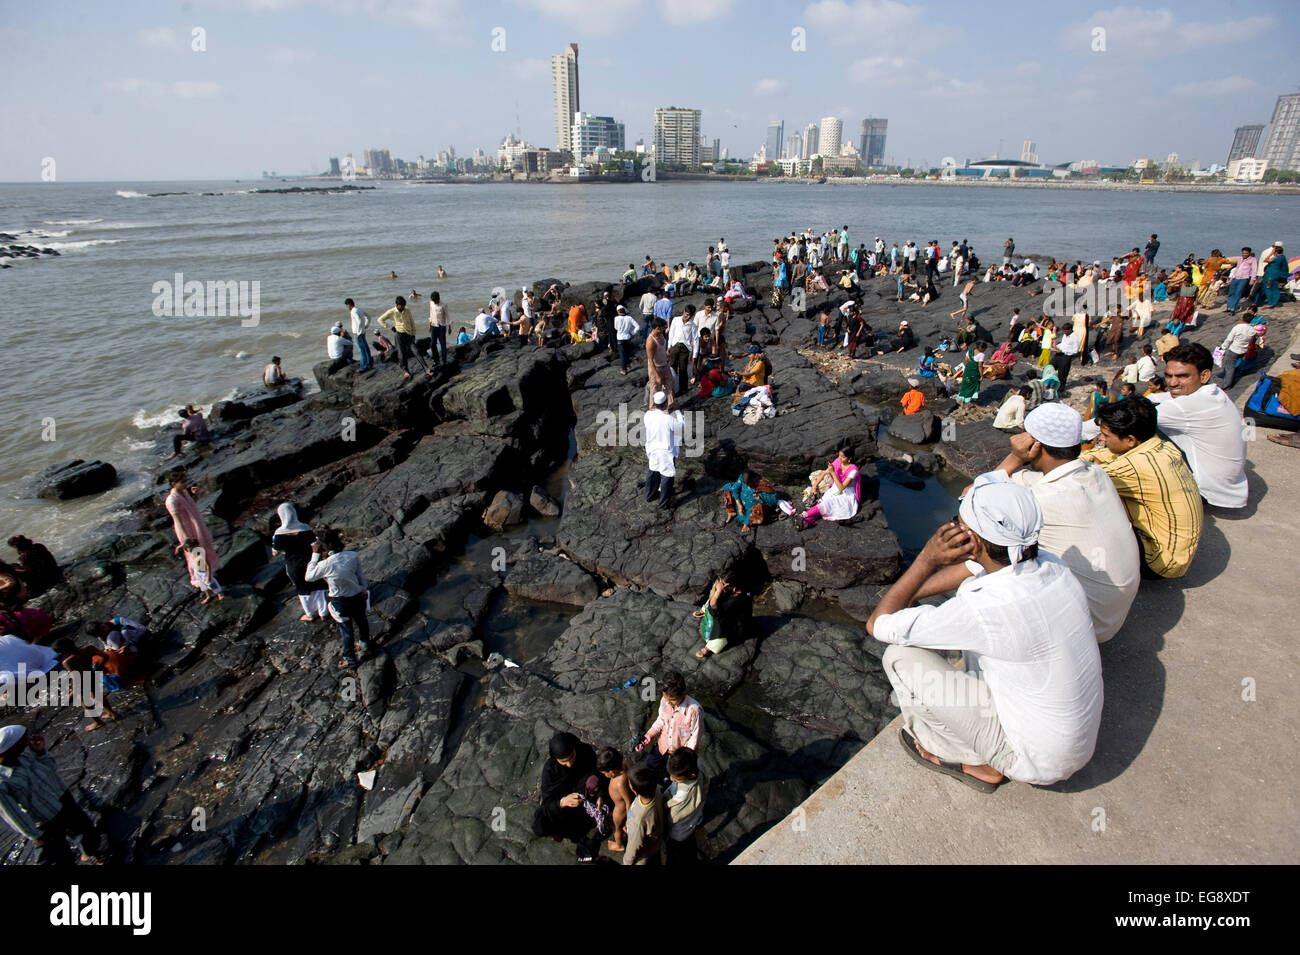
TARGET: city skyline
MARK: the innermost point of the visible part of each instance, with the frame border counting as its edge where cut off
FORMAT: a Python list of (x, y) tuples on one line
[(285, 84)]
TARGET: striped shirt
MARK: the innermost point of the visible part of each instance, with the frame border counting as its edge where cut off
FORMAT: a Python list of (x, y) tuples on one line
[(31, 794), (1162, 500)]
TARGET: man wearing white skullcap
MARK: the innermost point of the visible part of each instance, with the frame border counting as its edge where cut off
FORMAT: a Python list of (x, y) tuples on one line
[(35, 802), (1084, 521), (1028, 704), (663, 440)]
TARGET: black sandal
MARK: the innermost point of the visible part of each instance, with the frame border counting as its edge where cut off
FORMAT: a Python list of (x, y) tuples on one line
[(948, 769)]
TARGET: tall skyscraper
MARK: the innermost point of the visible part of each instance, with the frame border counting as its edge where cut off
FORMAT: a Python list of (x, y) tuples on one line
[(794, 146), (828, 141), (1244, 142), (873, 141), (564, 70), (810, 137), (677, 135), (1029, 151), (775, 140), (1282, 148)]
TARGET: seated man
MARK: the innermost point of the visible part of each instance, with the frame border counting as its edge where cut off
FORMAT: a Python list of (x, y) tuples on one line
[(1028, 705), (1205, 424), (1084, 522), (337, 345), (193, 429), (1155, 484), (913, 399), (1011, 414), (564, 779)]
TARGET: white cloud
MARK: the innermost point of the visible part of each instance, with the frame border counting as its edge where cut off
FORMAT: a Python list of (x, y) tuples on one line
[(161, 38), (1160, 32), (1228, 86), (444, 16), (682, 12), (873, 69), (768, 86), (877, 26), (600, 18), (287, 56)]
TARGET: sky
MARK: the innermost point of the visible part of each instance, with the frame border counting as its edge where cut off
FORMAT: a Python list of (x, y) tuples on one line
[(144, 90)]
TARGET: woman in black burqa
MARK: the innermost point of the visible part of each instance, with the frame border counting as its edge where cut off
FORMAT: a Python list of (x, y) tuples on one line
[(560, 814)]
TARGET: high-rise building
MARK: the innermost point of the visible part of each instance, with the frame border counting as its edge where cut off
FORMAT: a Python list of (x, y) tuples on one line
[(775, 139), (1282, 147), (677, 135), (794, 146), (873, 141), (1245, 141), (828, 140), (1029, 151), (564, 71), (378, 161), (590, 133), (334, 166), (810, 137)]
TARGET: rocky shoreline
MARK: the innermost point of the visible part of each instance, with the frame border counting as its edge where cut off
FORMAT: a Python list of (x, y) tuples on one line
[(246, 726)]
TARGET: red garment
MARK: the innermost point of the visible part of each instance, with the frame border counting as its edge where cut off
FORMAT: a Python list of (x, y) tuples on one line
[(713, 378)]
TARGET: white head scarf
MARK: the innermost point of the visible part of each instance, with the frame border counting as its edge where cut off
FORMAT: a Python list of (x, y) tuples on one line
[(1002, 513), (10, 735), (289, 523)]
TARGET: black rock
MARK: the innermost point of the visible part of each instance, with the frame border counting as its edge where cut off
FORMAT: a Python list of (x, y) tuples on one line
[(71, 479)]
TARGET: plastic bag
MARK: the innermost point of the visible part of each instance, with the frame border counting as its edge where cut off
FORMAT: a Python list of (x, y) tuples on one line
[(1218, 356)]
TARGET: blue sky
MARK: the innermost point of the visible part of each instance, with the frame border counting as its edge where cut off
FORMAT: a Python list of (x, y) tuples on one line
[(115, 92)]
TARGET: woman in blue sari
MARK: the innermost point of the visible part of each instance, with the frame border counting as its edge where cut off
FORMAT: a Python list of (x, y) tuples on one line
[(1274, 278)]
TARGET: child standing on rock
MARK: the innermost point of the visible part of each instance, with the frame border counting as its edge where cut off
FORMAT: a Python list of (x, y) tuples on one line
[(201, 575), (613, 767)]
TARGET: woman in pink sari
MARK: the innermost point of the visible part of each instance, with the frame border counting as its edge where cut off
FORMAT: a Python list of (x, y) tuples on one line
[(841, 502), (188, 523)]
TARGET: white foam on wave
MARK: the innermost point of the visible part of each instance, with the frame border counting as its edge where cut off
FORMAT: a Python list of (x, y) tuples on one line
[(147, 421), (30, 235), (131, 194), (241, 354), (85, 243), (71, 221)]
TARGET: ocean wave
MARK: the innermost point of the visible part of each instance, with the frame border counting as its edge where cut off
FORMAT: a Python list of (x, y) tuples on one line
[(147, 421), (131, 194), (29, 235), (71, 221), (69, 246)]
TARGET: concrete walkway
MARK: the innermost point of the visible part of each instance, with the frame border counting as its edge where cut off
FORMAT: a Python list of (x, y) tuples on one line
[(1186, 771)]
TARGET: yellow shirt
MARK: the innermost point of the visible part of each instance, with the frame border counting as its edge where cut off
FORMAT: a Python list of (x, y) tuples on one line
[(1162, 500), (399, 321)]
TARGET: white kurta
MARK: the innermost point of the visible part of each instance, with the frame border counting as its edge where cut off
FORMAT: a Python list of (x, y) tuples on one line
[(663, 440), (840, 505)]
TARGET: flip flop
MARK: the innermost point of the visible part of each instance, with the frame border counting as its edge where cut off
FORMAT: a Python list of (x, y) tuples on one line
[(948, 769)]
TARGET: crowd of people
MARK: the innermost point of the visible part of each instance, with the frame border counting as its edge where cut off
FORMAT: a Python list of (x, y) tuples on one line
[(1043, 561)]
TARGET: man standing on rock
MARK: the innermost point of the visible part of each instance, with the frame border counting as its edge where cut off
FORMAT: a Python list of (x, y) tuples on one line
[(348, 594), (402, 322), (663, 441), (35, 801), (439, 321), (683, 346), (1027, 706), (360, 325)]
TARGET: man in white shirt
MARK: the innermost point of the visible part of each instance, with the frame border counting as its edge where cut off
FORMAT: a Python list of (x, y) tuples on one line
[(360, 325), (439, 322), (484, 325), (1063, 357), (1084, 521), (663, 439), (1146, 368), (1235, 347), (1205, 424), (683, 332), (648, 300), (273, 374), (625, 327), (336, 346), (707, 319), (1028, 705), (348, 591)]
